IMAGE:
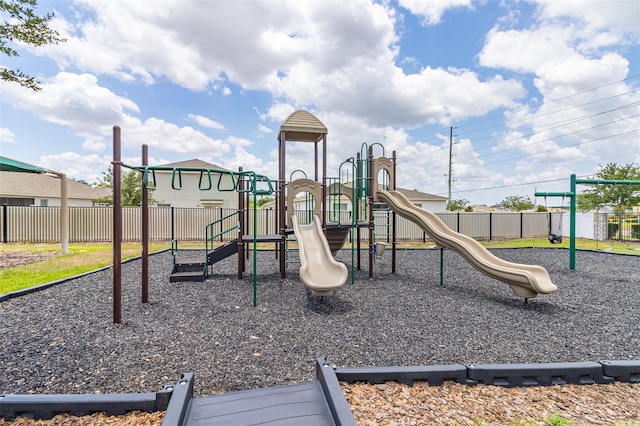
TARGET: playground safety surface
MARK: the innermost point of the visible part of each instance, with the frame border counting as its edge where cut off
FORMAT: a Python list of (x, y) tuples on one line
[(61, 340)]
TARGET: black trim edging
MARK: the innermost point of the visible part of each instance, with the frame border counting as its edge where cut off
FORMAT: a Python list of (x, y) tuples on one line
[(340, 410), (508, 375), (45, 407), (176, 399)]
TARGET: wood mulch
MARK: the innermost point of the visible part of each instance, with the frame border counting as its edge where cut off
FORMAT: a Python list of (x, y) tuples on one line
[(456, 404), (133, 418), (450, 404)]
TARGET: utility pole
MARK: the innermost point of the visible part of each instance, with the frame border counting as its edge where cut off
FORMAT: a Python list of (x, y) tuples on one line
[(450, 159)]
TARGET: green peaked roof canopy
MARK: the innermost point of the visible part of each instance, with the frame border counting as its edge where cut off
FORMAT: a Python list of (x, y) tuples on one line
[(9, 165)]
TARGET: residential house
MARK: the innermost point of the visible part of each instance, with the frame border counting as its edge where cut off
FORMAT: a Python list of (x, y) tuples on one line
[(195, 188), (41, 189), (433, 203)]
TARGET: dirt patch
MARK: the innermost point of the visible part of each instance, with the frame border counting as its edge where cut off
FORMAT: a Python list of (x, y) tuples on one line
[(13, 258)]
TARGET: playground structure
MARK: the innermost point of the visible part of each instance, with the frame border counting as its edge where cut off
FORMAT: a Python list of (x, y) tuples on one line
[(320, 229), (554, 238)]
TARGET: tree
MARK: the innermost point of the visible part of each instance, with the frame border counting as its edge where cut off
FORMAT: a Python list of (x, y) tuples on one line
[(130, 188), (20, 23), (517, 203), (263, 200), (455, 205), (620, 197)]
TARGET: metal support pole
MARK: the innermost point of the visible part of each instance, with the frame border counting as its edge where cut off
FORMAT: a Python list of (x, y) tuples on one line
[(64, 214), (572, 225), (394, 218), (441, 266), (145, 230), (117, 228)]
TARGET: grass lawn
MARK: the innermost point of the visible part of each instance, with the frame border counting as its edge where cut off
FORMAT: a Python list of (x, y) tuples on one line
[(88, 257), (81, 258)]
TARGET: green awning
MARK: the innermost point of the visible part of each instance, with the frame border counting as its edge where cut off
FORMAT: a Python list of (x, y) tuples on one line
[(9, 165)]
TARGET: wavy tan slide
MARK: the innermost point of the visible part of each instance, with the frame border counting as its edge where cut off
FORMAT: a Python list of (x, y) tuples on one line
[(318, 269), (525, 280)]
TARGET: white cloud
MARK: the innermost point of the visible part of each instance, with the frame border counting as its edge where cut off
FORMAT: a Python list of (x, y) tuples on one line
[(76, 101), (264, 129), (89, 110), (205, 122), (308, 54), (431, 12), (7, 136), (78, 166), (621, 16)]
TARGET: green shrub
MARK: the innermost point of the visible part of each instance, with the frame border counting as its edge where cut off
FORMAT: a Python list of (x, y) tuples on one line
[(635, 231), (612, 230)]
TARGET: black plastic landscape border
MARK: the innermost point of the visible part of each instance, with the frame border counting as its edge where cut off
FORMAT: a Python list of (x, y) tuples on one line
[(508, 375), (28, 290), (175, 399), (45, 407)]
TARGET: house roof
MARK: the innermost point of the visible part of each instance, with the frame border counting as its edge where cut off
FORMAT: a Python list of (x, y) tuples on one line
[(17, 184), (196, 163), (414, 194)]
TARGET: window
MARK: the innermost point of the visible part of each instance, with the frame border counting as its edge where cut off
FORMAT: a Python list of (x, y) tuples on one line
[(17, 201), (44, 203)]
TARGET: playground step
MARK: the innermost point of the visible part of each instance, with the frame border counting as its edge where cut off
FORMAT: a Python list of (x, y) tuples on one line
[(187, 271)]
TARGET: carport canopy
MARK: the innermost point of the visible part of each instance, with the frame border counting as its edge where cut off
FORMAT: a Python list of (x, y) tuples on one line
[(10, 165)]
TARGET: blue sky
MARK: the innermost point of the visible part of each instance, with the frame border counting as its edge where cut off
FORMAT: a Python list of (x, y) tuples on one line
[(535, 90)]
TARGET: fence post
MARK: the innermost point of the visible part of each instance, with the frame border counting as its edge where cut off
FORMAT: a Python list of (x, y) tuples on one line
[(521, 224), (490, 226), (5, 226)]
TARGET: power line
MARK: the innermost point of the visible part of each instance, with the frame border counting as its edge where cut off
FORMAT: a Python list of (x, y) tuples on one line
[(557, 125), (626, 154), (544, 140), (548, 102)]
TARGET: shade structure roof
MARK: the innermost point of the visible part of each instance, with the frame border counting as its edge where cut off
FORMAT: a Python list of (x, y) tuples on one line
[(9, 165), (302, 126)]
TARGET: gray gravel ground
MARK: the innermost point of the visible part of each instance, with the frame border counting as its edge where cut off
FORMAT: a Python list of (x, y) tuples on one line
[(63, 340)]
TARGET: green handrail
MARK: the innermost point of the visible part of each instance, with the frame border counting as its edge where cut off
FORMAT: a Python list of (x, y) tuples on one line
[(174, 250), (210, 237)]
